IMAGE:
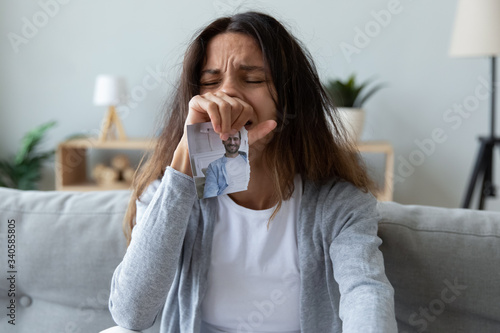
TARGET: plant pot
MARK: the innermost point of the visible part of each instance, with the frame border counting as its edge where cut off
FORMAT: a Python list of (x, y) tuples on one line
[(353, 120)]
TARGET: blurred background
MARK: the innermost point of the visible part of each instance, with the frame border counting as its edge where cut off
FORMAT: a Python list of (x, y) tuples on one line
[(52, 51)]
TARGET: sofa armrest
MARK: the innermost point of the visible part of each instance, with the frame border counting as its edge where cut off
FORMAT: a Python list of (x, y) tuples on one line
[(118, 329)]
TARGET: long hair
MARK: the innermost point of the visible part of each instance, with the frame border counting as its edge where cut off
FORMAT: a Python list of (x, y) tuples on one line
[(308, 140)]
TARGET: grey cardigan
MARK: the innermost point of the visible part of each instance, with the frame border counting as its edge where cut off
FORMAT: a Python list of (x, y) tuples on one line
[(343, 286)]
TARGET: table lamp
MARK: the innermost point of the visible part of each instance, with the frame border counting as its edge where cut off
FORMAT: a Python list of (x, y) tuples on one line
[(110, 91), (477, 34)]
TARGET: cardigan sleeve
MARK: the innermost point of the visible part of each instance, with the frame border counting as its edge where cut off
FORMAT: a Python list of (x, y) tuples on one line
[(141, 282), (366, 295)]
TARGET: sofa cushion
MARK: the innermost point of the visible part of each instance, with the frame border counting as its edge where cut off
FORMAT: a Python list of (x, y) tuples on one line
[(67, 246), (444, 265)]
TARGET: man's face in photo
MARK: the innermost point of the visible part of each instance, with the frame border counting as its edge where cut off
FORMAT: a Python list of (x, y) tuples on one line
[(232, 144)]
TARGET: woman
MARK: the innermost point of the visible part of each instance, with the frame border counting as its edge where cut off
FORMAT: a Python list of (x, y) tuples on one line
[(296, 252)]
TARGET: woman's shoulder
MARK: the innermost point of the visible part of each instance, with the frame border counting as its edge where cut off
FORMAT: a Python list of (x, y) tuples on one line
[(149, 192), (336, 188), (339, 199), (145, 198)]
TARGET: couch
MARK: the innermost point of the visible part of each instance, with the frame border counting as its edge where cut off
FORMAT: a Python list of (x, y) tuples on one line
[(443, 263)]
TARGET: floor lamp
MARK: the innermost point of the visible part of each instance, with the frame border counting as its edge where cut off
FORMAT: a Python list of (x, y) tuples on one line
[(477, 34)]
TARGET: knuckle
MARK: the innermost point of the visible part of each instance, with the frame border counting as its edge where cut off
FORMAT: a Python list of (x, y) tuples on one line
[(239, 107), (225, 105), (192, 101), (195, 100)]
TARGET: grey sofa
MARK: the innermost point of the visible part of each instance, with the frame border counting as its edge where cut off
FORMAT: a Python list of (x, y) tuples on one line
[(443, 263)]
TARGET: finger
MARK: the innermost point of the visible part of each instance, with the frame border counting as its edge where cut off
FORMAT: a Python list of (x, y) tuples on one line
[(224, 110), (261, 130), (203, 110), (236, 103), (240, 111), (244, 116)]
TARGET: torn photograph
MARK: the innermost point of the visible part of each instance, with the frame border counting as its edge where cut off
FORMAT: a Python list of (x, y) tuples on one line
[(219, 167)]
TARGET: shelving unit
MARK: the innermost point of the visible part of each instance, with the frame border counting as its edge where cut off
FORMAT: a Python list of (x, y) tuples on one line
[(71, 165), (383, 147)]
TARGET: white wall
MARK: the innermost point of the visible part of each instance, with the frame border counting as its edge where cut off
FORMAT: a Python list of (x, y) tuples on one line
[(51, 77)]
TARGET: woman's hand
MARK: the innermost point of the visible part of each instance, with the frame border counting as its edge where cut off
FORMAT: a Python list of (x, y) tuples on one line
[(227, 115)]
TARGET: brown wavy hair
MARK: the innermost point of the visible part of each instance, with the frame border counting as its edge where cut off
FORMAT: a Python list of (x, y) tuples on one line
[(308, 140)]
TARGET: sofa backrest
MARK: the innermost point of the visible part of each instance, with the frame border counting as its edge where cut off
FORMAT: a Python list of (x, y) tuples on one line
[(67, 245), (444, 265)]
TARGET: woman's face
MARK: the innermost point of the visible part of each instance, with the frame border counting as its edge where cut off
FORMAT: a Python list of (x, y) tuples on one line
[(234, 66)]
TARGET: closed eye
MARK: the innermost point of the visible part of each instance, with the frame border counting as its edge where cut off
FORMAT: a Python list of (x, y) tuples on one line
[(213, 83)]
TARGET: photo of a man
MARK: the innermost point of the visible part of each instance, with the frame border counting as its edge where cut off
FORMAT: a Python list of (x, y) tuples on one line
[(229, 173)]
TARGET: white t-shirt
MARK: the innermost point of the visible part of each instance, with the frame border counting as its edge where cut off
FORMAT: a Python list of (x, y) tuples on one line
[(253, 278), (237, 174)]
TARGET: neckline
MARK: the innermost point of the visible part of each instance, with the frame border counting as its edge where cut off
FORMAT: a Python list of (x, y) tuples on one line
[(268, 211), (244, 210)]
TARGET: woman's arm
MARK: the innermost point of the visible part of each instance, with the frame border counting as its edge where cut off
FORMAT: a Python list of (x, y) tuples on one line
[(141, 282), (367, 297)]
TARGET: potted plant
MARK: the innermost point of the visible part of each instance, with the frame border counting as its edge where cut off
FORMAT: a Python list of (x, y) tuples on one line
[(25, 170), (349, 97)]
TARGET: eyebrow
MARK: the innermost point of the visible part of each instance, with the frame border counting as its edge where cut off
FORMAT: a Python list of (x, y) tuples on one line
[(245, 68)]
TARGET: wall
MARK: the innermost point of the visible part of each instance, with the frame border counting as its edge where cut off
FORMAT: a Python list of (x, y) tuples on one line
[(50, 74)]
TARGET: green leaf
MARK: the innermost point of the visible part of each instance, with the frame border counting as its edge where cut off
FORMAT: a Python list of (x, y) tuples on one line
[(369, 94), (25, 170), (348, 93), (31, 140), (7, 174), (7, 168)]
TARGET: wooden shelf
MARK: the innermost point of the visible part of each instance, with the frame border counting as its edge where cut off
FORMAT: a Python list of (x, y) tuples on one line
[(71, 167), (132, 144), (383, 147)]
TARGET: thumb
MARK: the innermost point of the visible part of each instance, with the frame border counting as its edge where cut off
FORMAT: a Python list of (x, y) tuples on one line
[(261, 130)]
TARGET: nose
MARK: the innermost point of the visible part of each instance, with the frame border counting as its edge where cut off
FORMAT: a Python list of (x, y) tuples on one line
[(229, 87)]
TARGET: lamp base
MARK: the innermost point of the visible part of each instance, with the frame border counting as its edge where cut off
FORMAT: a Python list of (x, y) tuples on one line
[(483, 172), (107, 129)]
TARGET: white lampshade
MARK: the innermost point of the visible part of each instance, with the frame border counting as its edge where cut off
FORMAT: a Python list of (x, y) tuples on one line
[(110, 90), (477, 29)]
